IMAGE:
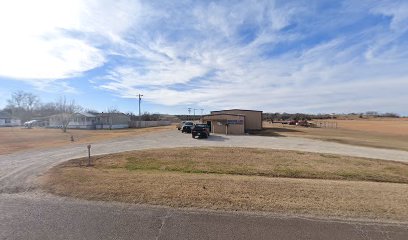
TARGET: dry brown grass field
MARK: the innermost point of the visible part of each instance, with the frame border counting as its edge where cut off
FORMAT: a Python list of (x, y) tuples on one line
[(241, 179), (380, 133), (18, 139)]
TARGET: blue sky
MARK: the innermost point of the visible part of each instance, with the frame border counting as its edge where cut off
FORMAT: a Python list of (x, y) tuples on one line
[(276, 56)]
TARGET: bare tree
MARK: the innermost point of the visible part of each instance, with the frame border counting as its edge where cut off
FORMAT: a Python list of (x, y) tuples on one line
[(17, 99), (31, 101), (91, 111), (112, 113), (23, 100), (47, 109), (66, 110), (150, 116), (22, 104)]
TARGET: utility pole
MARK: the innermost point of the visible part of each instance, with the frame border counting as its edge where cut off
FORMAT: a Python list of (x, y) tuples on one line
[(140, 117), (194, 112), (189, 112)]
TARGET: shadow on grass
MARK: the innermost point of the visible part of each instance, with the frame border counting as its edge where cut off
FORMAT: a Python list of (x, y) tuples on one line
[(281, 130), (214, 138), (272, 132)]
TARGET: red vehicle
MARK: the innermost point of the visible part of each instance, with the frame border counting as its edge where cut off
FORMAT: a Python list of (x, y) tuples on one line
[(293, 122)]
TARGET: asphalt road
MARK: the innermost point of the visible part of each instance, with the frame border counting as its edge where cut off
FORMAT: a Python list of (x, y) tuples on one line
[(37, 216), (27, 213)]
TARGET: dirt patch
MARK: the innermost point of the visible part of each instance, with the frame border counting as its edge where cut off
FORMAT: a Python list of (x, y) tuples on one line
[(240, 179), (19, 139), (390, 134)]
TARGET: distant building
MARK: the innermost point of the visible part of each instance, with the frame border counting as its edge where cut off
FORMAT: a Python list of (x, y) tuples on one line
[(112, 121), (91, 121), (77, 121), (6, 120), (233, 121)]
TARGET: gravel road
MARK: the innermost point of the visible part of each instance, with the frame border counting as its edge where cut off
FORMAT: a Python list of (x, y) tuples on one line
[(43, 215), (18, 170)]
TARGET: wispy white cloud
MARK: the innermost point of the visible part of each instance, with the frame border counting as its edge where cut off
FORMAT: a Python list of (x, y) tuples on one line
[(397, 10), (271, 55), (44, 41)]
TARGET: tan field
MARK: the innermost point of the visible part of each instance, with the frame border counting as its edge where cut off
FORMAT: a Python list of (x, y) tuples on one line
[(397, 126), (241, 179), (19, 139), (379, 133)]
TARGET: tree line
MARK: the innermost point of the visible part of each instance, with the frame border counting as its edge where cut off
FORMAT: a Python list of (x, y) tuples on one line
[(189, 117), (27, 106), (302, 116)]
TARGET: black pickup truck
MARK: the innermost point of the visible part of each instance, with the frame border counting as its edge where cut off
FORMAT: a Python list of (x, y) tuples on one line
[(187, 126), (201, 131)]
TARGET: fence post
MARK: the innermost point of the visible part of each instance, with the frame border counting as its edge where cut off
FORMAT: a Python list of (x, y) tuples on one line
[(89, 155)]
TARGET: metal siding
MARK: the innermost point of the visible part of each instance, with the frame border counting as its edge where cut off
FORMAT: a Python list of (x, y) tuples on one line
[(253, 119), (221, 129)]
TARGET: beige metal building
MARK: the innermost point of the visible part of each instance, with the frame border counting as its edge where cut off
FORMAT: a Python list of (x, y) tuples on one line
[(234, 121)]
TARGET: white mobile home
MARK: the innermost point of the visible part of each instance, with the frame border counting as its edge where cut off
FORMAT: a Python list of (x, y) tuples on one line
[(76, 121), (6, 120), (85, 120)]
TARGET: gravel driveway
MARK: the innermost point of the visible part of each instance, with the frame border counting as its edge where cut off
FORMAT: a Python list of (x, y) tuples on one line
[(18, 170), (29, 214)]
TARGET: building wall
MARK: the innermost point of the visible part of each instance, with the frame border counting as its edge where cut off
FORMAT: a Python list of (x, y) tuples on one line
[(218, 124), (9, 122), (79, 121), (81, 125), (53, 122), (114, 119), (145, 124), (114, 126), (233, 129), (253, 119)]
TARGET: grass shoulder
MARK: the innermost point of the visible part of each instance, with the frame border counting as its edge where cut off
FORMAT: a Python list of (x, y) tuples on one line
[(259, 162), (241, 179)]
